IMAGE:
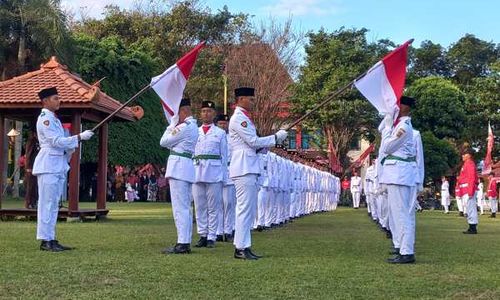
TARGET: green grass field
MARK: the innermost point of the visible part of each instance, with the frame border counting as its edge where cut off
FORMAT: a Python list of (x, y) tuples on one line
[(339, 255)]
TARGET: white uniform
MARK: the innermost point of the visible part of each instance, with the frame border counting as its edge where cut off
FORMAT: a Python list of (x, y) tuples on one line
[(181, 140), (355, 190), (229, 198), (399, 174), (419, 179), (371, 175), (210, 160), (480, 197), (445, 195), (244, 169), (50, 167)]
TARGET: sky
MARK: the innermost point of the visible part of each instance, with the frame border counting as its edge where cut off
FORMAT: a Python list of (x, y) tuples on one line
[(441, 21)]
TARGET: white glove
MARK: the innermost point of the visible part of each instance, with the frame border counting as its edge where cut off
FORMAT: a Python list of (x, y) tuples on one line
[(281, 136), (173, 122), (86, 135), (388, 120)]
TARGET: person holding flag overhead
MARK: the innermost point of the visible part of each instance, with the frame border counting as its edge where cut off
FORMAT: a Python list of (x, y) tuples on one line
[(244, 168), (399, 174), (181, 139)]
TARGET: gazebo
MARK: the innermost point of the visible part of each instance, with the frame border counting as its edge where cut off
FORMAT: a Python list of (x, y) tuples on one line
[(80, 101)]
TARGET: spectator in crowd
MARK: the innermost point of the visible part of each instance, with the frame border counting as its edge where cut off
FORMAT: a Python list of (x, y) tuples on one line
[(152, 187)]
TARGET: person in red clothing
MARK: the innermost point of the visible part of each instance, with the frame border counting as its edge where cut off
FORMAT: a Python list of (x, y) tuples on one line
[(492, 194), (467, 182)]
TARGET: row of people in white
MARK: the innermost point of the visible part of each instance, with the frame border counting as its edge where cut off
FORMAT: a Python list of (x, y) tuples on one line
[(303, 190)]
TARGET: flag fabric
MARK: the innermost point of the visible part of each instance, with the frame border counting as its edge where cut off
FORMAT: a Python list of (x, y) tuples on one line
[(487, 160), (384, 82), (170, 84), (359, 162)]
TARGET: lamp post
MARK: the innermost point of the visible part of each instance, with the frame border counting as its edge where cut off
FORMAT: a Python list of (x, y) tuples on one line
[(13, 133)]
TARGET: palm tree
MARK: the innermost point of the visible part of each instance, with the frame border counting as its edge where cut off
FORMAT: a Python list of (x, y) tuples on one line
[(33, 30)]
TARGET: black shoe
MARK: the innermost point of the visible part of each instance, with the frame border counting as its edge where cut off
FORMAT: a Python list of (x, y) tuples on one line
[(228, 238), (493, 215), (472, 229), (50, 246), (460, 214), (402, 259), (202, 242), (220, 238), (260, 228), (178, 249), (394, 251), (243, 254), (61, 246), (210, 244), (253, 254)]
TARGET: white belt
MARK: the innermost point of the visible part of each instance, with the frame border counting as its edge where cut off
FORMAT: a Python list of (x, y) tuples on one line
[(464, 185)]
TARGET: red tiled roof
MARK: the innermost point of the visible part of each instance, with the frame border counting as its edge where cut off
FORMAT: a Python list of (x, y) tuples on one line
[(22, 91)]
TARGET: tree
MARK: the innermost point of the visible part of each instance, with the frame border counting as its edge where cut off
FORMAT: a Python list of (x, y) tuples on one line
[(471, 57), (126, 71), (34, 30), (440, 156), (333, 60), (429, 60), (266, 61), (440, 107)]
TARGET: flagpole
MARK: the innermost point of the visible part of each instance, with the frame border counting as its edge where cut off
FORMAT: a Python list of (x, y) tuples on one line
[(139, 93), (332, 96), (224, 77)]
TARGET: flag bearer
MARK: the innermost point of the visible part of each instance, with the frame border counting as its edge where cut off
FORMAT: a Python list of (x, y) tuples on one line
[(180, 138), (51, 167)]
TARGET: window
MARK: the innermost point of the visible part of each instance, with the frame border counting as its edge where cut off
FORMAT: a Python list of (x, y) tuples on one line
[(305, 140), (355, 144), (292, 141)]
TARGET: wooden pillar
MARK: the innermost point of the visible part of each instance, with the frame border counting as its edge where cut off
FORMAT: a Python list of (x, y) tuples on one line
[(2, 162), (74, 172), (298, 137), (102, 167)]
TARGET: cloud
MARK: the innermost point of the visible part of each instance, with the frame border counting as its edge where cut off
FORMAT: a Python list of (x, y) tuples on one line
[(303, 8)]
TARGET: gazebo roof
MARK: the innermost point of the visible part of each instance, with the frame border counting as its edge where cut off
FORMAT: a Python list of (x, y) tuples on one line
[(22, 92)]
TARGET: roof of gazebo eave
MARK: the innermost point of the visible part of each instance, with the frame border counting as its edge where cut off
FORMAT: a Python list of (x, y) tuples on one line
[(19, 95)]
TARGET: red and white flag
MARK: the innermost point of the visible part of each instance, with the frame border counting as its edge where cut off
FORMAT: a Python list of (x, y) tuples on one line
[(487, 160), (170, 84), (384, 82)]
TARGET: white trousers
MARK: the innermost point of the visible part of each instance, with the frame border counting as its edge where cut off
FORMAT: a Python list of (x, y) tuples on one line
[(371, 199), (180, 193), (229, 199), (262, 203), (208, 205), (50, 189), (471, 209), (402, 212), (383, 217), (493, 205), (268, 217), (460, 204), (355, 199), (246, 207)]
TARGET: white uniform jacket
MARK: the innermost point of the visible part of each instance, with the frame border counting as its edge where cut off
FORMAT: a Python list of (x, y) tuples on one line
[(181, 141), (54, 146), (399, 163), (244, 143), (210, 155)]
